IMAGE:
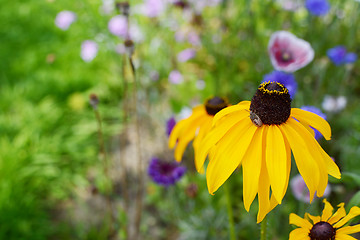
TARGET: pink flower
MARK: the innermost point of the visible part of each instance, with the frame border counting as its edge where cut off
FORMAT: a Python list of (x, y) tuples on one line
[(301, 192), (64, 19), (89, 50), (186, 55), (153, 8), (289, 53), (175, 77), (118, 26)]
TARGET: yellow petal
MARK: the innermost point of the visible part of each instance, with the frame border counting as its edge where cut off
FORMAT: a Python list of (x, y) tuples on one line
[(354, 212), (344, 237), (340, 213), (331, 166), (188, 134), (327, 212), (313, 219), (313, 120), (300, 222), (308, 128), (273, 203), (348, 229), (299, 234), (184, 124), (217, 133), (251, 168), (316, 155), (231, 109), (229, 154), (204, 130), (176, 132), (263, 196), (264, 186), (276, 162), (304, 161)]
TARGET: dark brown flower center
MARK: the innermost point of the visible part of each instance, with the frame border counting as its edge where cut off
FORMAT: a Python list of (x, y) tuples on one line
[(215, 104), (271, 103), (322, 231)]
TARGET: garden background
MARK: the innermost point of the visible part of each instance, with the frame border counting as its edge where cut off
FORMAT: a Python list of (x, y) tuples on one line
[(60, 175)]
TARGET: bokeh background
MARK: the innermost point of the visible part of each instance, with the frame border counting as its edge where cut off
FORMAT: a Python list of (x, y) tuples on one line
[(56, 179)]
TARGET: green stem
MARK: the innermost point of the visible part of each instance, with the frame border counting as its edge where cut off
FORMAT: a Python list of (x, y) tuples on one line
[(263, 229), (230, 212), (106, 173)]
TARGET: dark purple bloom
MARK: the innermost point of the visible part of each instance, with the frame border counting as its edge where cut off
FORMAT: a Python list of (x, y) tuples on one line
[(339, 55), (165, 173), (317, 112), (317, 7), (170, 125), (287, 79)]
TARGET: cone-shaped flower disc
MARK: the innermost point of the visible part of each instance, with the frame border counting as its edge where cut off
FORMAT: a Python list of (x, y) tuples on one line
[(260, 135)]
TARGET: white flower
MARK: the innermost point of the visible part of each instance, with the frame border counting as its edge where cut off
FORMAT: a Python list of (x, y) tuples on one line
[(334, 104)]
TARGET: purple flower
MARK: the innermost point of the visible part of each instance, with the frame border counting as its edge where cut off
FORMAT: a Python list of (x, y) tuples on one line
[(118, 26), (64, 19), (317, 112), (170, 124), (287, 79), (153, 8), (317, 7), (289, 53), (339, 55), (301, 192), (186, 55), (165, 173), (175, 77), (89, 50), (194, 38)]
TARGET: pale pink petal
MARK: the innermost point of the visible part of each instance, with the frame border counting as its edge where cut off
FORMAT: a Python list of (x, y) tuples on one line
[(289, 53)]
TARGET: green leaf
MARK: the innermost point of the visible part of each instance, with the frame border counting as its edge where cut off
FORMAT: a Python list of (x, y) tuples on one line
[(354, 201), (347, 177)]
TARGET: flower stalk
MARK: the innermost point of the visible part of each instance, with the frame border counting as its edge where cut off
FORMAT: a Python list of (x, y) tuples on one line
[(105, 164), (263, 229), (230, 213)]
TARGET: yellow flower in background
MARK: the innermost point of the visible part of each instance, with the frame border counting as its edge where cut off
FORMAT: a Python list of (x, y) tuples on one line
[(328, 226), (195, 127), (260, 135)]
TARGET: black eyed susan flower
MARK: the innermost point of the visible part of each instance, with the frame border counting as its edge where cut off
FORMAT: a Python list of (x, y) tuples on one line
[(260, 135), (328, 226), (195, 127)]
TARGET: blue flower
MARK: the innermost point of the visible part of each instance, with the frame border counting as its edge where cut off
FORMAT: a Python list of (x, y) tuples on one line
[(317, 7), (165, 173), (339, 55), (317, 112), (287, 79)]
